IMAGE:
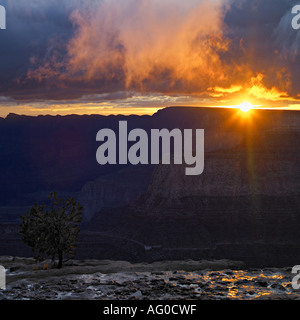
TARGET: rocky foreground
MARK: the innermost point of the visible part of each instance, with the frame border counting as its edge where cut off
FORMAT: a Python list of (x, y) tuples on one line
[(168, 280)]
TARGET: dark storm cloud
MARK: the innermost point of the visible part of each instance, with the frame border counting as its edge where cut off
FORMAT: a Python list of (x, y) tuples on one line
[(35, 30), (263, 39), (58, 50)]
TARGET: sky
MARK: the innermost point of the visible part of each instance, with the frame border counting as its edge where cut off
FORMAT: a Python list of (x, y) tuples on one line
[(137, 56)]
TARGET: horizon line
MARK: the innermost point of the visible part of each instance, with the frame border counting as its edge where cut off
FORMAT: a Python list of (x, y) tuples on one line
[(156, 110)]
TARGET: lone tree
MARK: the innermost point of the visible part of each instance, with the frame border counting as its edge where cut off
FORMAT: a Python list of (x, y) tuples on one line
[(52, 230)]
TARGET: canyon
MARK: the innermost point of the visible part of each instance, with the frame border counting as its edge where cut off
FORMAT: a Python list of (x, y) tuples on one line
[(245, 205)]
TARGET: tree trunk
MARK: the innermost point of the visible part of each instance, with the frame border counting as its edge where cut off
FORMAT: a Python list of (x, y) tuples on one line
[(60, 259)]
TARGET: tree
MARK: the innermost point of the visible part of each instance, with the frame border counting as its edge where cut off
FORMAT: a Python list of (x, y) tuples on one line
[(52, 230)]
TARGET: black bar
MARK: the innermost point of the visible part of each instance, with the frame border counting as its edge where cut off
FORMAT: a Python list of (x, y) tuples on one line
[(147, 309)]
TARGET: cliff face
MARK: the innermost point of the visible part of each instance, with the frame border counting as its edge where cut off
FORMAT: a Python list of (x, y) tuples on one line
[(114, 190), (229, 174)]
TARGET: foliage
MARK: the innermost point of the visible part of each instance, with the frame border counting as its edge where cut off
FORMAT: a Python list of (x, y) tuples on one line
[(52, 230)]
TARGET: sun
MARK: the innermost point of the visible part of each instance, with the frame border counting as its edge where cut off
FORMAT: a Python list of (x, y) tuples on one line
[(245, 106)]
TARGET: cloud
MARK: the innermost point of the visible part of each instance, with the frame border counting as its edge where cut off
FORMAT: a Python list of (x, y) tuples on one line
[(287, 38), (258, 90), (104, 50), (146, 45)]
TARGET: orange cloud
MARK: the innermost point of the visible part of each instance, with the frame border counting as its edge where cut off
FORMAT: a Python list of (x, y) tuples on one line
[(150, 42), (221, 92), (259, 91)]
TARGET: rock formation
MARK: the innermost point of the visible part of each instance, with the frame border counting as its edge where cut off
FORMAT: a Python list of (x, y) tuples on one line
[(244, 206)]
